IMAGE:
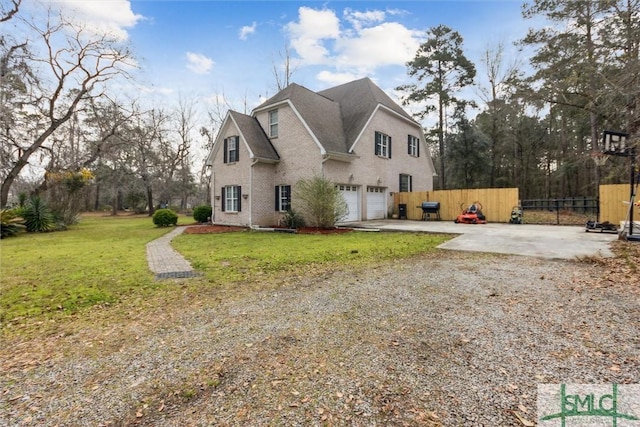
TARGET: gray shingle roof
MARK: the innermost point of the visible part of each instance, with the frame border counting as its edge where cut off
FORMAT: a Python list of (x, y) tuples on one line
[(255, 136), (336, 116), (358, 100)]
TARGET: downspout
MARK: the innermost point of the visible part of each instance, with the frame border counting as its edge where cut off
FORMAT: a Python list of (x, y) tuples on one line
[(212, 183), (251, 194)]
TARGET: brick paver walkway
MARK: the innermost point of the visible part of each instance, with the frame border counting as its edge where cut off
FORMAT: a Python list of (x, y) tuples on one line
[(165, 261)]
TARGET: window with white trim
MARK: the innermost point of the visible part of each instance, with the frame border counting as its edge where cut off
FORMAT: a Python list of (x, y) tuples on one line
[(231, 149), (231, 198), (283, 198), (405, 183), (413, 147), (382, 145), (273, 123)]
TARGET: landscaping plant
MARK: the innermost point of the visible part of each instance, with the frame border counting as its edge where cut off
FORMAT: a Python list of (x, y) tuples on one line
[(11, 224), (165, 218), (38, 218), (293, 219), (320, 202), (202, 213)]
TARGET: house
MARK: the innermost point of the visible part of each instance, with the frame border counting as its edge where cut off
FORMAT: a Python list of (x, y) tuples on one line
[(354, 134)]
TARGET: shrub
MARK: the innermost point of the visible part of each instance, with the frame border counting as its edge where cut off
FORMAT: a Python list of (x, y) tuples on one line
[(202, 213), (293, 219), (165, 218), (10, 223), (321, 203), (38, 218)]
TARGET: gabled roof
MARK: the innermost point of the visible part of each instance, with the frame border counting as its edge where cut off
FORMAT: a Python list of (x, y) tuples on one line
[(320, 114), (257, 141), (359, 100), (336, 116)]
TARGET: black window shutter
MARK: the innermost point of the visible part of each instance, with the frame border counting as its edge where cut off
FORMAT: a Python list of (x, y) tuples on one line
[(418, 147), (400, 184), (277, 199), (239, 198), (222, 198), (377, 144), (225, 151), (237, 148), (409, 144), (389, 147)]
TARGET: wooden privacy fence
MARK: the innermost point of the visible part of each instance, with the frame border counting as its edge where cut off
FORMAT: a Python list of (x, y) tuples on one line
[(497, 203), (614, 203)]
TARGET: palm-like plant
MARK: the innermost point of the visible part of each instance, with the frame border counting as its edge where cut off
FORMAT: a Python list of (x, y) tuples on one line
[(38, 217), (10, 224)]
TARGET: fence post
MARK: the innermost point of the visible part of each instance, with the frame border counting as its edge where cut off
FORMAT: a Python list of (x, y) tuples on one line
[(557, 212)]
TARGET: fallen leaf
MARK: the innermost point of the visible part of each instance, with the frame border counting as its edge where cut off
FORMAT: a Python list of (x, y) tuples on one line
[(339, 394), (525, 422), (615, 368), (161, 408), (523, 408), (139, 414)]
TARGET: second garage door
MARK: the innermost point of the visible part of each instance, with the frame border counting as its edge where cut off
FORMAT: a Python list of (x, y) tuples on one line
[(376, 203)]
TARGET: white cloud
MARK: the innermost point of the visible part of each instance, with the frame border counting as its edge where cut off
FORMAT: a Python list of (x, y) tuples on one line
[(247, 29), (111, 17), (199, 63), (335, 79), (364, 44), (363, 19), (389, 43), (310, 32)]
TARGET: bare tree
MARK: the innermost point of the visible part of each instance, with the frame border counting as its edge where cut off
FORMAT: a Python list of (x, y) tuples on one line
[(75, 66), (283, 72), (8, 13)]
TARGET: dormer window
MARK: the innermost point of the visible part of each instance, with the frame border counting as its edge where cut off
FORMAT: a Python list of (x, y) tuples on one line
[(273, 123)]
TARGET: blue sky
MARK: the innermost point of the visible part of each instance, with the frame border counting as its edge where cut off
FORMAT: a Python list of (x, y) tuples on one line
[(203, 49)]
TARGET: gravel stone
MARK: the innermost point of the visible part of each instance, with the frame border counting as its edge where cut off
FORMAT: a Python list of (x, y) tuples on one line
[(447, 339)]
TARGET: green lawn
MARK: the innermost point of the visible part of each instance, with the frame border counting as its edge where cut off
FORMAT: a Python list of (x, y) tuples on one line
[(249, 256), (103, 260)]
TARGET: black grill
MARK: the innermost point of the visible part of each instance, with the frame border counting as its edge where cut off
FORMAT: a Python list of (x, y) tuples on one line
[(429, 208)]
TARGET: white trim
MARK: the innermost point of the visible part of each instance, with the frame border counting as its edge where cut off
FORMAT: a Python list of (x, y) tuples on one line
[(389, 110), (298, 115), (340, 157)]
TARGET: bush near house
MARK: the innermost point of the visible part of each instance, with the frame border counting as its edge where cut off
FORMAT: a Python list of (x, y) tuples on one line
[(165, 218), (321, 203), (202, 213)]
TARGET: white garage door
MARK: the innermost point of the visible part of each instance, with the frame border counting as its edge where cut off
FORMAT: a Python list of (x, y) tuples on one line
[(350, 193), (376, 203)]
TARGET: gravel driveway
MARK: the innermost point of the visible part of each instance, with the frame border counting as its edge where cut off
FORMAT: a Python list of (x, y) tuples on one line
[(452, 339)]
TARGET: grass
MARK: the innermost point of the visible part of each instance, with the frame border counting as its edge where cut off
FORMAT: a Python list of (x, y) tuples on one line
[(247, 256), (102, 261), (98, 261)]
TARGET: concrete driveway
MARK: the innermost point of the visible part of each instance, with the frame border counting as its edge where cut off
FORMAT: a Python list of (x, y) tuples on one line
[(544, 241)]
